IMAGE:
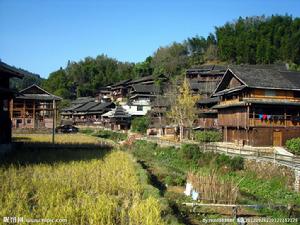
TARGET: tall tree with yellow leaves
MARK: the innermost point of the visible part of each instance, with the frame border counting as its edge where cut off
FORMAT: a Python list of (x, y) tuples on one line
[(183, 111)]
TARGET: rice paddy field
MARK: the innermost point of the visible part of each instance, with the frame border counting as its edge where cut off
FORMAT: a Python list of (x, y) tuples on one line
[(96, 186), (59, 138)]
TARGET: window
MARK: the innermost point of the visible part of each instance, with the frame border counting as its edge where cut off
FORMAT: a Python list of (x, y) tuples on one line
[(297, 94), (270, 93), (139, 108)]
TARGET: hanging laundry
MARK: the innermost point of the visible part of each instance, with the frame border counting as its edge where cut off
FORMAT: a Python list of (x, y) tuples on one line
[(264, 116), (296, 119), (260, 116), (269, 117), (195, 195)]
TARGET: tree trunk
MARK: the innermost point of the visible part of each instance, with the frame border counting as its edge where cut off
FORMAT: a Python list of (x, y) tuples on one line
[(180, 133)]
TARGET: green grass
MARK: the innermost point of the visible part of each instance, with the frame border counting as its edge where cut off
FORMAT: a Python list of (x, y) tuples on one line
[(171, 167), (105, 134)]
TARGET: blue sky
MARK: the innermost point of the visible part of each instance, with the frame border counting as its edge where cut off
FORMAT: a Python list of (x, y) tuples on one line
[(42, 35)]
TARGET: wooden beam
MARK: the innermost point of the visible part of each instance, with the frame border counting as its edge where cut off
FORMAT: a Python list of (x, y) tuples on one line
[(33, 111)]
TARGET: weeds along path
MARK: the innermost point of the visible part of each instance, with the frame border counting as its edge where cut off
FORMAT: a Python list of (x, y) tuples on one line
[(161, 186), (168, 167)]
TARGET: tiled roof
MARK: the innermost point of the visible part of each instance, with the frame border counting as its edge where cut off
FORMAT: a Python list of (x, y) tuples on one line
[(140, 88), (36, 92), (10, 70), (267, 78)]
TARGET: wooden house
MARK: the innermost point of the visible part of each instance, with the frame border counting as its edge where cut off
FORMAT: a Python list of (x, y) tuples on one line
[(117, 119), (148, 80), (203, 80), (141, 92), (119, 90), (157, 115), (104, 93), (259, 107), (86, 111), (6, 94), (67, 113), (90, 113), (159, 124), (207, 115), (34, 107)]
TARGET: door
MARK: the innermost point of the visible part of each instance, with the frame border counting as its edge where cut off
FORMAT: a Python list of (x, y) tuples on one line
[(277, 138)]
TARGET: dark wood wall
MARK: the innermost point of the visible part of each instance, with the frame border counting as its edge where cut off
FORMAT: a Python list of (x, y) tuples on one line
[(259, 136), (233, 117)]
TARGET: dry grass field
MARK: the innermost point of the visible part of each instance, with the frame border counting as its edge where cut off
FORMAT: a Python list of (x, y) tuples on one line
[(84, 187), (59, 138)]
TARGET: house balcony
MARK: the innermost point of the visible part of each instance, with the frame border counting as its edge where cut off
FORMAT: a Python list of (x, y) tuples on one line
[(276, 121)]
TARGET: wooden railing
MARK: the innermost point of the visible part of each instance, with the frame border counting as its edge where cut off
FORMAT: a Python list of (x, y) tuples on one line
[(271, 123), (281, 159), (256, 154)]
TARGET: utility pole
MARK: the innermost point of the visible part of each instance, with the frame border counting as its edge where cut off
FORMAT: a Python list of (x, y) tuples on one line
[(54, 121)]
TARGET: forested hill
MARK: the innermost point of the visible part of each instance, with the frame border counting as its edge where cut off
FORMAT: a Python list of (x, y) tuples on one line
[(28, 79), (253, 40), (260, 40)]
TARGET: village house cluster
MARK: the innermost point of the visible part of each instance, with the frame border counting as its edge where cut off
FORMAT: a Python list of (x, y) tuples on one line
[(252, 105)]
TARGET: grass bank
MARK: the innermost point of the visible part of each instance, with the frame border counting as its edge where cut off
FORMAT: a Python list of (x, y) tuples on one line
[(264, 186)]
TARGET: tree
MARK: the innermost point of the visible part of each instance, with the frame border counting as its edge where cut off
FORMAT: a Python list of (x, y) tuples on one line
[(84, 78), (170, 60), (260, 40), (140, 124), (183, 111)]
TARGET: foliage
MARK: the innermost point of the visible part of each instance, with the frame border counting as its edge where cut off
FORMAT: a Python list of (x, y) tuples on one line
[(293, 145), (183, 111), (260, 40), (169, 166), (234, 163), (107, 134), (26, 81), (144, 68), (250, 40), (64, 103), (208, 136), (140, 124), (87, 131), (190, 152), (170, 60), (83, 78)]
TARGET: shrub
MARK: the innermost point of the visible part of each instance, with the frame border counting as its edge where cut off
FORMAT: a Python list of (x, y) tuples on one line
[(140, 124), (115, 136), (293, 145), (208, 136), (235, 163), (222, 160), (175, 179), (86, 131), (190, 152)]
